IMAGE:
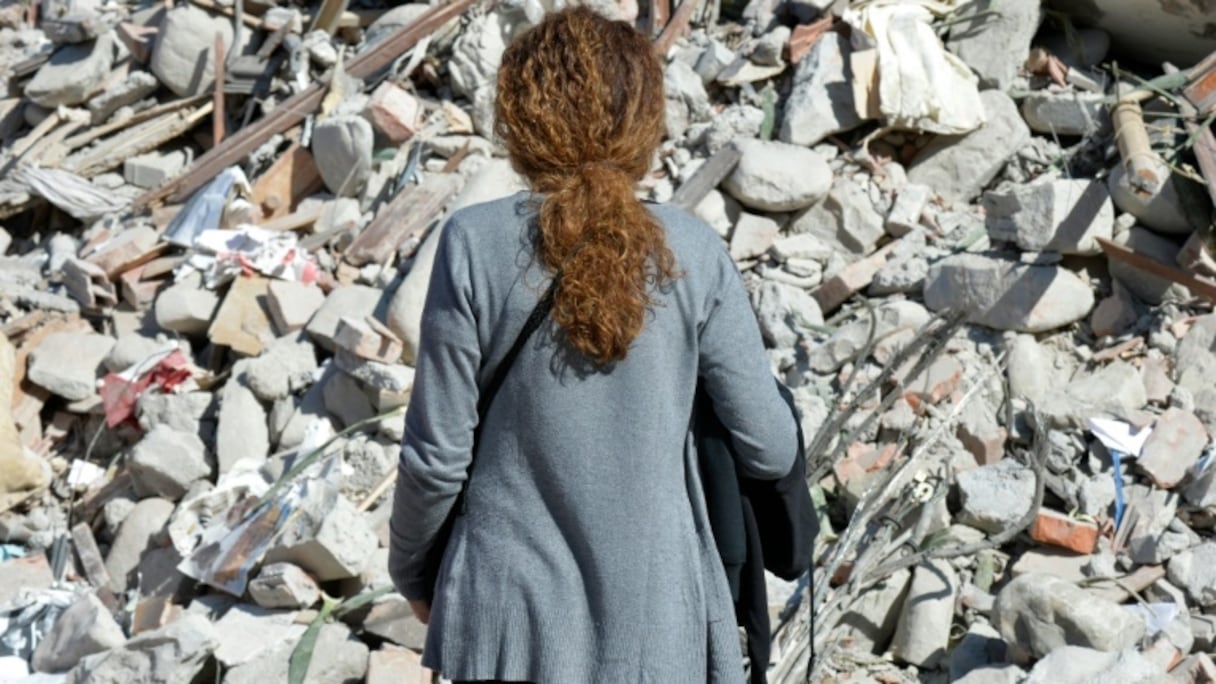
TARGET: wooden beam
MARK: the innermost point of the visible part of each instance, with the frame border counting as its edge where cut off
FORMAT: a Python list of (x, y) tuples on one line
[(676, 26), (217, 110), (706, 178), (1200, 286), (410, 212), (292, 177)]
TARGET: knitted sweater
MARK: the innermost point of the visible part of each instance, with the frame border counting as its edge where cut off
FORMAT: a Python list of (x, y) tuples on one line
[(584, 554)]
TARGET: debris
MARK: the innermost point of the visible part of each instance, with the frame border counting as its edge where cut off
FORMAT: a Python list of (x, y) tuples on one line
[(775, 176), (283, 585), (83, 629)]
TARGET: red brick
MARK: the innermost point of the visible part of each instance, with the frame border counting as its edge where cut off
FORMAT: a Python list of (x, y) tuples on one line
[(1058, 529), (394, 112)]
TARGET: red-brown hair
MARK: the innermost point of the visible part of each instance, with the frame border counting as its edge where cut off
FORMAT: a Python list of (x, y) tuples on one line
[(580, 108)]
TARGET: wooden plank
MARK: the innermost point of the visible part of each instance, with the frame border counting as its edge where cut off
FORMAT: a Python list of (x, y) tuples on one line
[(243, 321), (294, 109), (409, 213), (90, 556), (676, 26), (706, 178), (217, 102), (145, 138), (329, 14), (291, 178)]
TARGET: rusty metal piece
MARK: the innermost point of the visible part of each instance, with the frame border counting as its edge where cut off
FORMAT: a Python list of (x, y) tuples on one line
[(1200, 286)]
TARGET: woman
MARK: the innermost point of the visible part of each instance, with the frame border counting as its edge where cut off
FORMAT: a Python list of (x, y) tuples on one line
[(582, 552)]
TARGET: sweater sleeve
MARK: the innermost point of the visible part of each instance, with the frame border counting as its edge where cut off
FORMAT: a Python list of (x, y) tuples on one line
[(735, 370), (439, 423)]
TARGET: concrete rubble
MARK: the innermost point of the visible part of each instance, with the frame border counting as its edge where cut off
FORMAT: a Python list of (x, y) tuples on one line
[(991, 300)]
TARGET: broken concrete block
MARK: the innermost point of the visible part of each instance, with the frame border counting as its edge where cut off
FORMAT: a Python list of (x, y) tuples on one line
[(184, 56), (285, 367), (337, 657), (874, 616), (116, 254), (995, 497), (182, 412), (753, 236), (1057, 529), (846, 219), (242, 432), (1042, 613), (923, 632), (391, 618), (354, 301), (139, 84), (396, 666), (1077, 665), (85, 628), (166, 462), (1066, 113), (69, 363), (145, 520), (72, 74), (153, 169), (777, 176), (30, 573), (1177, 441), (242, 322), (906, 211), (342, 148), (283, 585), (995, 42), (1114, 388), (1065, 216), (394, 112), (821, 102), (186, 307), (368, 339), (292, 304), (1194, 570), (174, 653), (247, 632), (338, 547)]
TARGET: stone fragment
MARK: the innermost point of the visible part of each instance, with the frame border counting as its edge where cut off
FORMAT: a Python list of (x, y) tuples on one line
[(1029, 365), (1177, 209), (821, 102), (72, 74), (166, 462), (1008, 295), (120, 252), (906, 211), (391, 618), (872, 620), (1065, 216), (337, 657), (356, 301), (145, 520), (890, 319), (342, 148), (247, 632), (394, 112), (1113, 314), (1066, 113), (1194, 570), (139, 84), (396, 666), (1154, 540), (1195, 357), (338, 548), (283, 585), (345, 399), (995, 497), (285, 367), (242, 322), (30, 573), (846, 218), (1113, 389), (686, 100), (292, 304), (173, 654), (1077, 665), (85, 628), (69, 363), (981, 434), (994, 39), (1177, 441), (1057, 529), (152, 169), (21, 471), (922, 635), (753, 236), (367, 339), (242, 432), (1042, 613), (993, 674), (785, 313), (186, 307), (720, 211), (777, 176), (182, 412), (1149, 288), (801, 246), (980, 647), (959, 167), (184, 56)]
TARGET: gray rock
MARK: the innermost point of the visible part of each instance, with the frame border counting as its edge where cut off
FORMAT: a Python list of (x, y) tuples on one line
[(478, 50), (1153, 541), (959, 167), (785, 313), (873, 617), (285, 367), (1181, 206), (1077, 665), (130, 349), (846, 218), (337, 658), (687, 101), (777, 176), (1066, 113), (753, 236), (184, 56), (981, 647), (186, 307), (388, 378), (1177, 441), (139, 84), (821, 102), (922, 635), (1195, 358), (906, 211), (1065, 216), (734, 122), (892, 318), (1008, 295), (85, 628), (994, 38), (301, 415), (1194, 570), (242, 431), (247, 632), (69, 363), (173, 654), (292, 303), (153, 169), (995, 497), (345, 399), (166, 462), (283, 585), (145, 520), (713, 59), (1042, 613), (342, 147), (72, 74), (182, 412), (355, 301), (1114, 389), (906, 268), (719, 210), (337, 548), (1145, 286)]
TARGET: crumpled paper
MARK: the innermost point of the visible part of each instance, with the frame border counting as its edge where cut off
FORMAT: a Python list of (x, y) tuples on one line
[(222, 255)]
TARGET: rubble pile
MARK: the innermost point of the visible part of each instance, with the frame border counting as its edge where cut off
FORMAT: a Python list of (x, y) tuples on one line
[(977, 244)]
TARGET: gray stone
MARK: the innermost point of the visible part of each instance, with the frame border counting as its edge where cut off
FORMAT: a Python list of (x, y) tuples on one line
[(785, 313), (186, 307), (1152, 540), (979, 648), (995, 497), (1114, 389), (906, 268), (719, 210), (139, 84), (130, 349), (242, 432), (390, 617), (285, 367), (713, 59), (846, 218), (292, 304), (1195, 358), (801, 246), (922, 635), (1065, 216), (354, 301), (1077, 665), (1066, 113), (1179, 208), (184, 56), (302, 415), (891, 318), (283, 585), (753, 236), (338, 548), (906, 211), (959, 167), (153, 169), (821, 102), (182, 412), (1145, 286), (777, 176), (345, 399), (1194, 570), (85, 628), (1177, 441), (478, 50), (873, 617), (993, 38), (145, 521), (173, 654), (166, 462), (69, 363), (342, 147), (1042, 613), (72, 74), (338, 658), (1008, 295), (687, 101), (248, 631), (735, 122)]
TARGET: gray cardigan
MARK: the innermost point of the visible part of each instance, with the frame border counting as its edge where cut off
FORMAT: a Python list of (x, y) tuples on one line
[(585, 553)]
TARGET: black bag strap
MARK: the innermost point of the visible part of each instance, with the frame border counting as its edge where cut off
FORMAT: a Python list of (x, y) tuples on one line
[(500, 373)]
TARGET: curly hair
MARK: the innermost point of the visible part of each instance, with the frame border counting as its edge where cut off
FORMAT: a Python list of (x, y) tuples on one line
[(580, 108)]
